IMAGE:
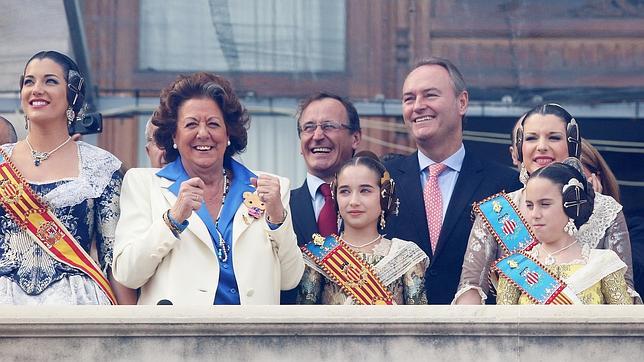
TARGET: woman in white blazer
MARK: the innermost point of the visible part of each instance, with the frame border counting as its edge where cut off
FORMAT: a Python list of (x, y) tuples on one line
[(205, 229)]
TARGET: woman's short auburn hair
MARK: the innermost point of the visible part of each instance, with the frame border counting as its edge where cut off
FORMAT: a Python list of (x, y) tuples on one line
[(196, 86)]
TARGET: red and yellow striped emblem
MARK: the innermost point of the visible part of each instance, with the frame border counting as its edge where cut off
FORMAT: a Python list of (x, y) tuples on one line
[(35, 218), (356, 278)]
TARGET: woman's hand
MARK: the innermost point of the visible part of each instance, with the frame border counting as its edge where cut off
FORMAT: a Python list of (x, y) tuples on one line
[(268, 190), (190, 197), (596, 182)]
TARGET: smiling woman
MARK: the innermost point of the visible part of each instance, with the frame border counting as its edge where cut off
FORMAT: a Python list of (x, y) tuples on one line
[(547, 134), (205, 229), (73, 186)]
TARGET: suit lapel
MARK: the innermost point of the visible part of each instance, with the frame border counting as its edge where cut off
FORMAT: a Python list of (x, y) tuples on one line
[(304, 221), (468, 181), (410, 193)]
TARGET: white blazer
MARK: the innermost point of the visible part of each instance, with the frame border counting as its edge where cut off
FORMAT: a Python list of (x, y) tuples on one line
[(185, 270)]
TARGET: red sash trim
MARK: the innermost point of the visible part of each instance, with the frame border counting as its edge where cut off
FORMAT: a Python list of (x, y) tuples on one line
[(34, 217)]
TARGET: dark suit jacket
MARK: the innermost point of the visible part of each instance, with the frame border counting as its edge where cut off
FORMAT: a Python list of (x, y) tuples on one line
[(477, 180), (304, 225)]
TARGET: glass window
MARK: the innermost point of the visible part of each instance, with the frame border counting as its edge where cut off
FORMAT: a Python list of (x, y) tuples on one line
[(243, 35)]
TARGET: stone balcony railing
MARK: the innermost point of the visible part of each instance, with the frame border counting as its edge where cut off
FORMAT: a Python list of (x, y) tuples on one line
[(323, 333)]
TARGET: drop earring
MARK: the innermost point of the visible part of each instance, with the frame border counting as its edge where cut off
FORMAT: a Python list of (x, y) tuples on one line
[(174, 145), (26, 122), (339, 222), (228, 143), (383, 222), (570, 227), (70, 115), (523, 174)]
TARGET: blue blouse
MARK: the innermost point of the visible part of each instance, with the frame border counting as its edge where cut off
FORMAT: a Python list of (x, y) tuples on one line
[(227, 290)]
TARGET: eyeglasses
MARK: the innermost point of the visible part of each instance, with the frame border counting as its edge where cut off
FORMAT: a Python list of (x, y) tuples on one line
[(326, 126)]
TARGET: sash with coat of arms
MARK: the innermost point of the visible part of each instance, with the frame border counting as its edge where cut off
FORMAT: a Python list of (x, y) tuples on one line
[(33, 216), (527, 274), (340, 264)]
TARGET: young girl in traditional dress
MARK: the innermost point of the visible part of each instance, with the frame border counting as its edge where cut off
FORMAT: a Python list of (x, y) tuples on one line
[(364, 195), (558, 201)]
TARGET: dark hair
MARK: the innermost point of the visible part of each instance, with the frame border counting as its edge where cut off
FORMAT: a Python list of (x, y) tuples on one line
[(352, 113), (577, 194), (595, 163), (573, 135), (454, 74), (11, 136), (388, 199), (194, 86), (75, 87)]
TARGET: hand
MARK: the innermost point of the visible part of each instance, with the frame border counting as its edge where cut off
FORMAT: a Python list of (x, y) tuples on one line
[(191, 193), (596, 182), (268, 190)]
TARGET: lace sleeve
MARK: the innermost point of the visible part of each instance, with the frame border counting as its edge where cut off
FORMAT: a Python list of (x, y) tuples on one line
[(480, 254), (107, 211), (507, 293), (310, 289), (414, 285), (615, 290), (618, 240)]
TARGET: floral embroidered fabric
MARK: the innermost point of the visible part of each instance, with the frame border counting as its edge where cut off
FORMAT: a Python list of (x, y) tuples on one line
[(611, 289), (407, 289), (88, 206)]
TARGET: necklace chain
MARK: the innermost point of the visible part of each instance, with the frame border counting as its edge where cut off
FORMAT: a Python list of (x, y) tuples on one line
[(550, 258), (361, 246), (222, 250), (39, 156)]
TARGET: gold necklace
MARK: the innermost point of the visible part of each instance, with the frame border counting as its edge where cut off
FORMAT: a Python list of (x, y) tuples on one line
[(361, 246), (38, 156)]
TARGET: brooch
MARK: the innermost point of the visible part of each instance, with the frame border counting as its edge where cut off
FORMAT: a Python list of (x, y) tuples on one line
[(255, 206)]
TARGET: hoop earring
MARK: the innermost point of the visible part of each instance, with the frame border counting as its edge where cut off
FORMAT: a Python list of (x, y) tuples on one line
[(383, 222), (570, 227), (70, 115), (523, 175)]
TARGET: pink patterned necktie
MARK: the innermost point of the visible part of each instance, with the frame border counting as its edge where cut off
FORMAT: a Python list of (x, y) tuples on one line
[(434, 203)]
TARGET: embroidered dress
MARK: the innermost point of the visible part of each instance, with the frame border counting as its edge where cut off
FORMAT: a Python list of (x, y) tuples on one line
[(606, 229), (592, 279), (405, 281), (88, 206)]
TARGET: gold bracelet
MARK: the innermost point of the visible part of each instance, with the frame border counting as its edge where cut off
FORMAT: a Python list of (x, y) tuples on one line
[(284, 215)]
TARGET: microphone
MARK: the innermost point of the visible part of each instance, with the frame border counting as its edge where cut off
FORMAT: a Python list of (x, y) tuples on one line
[(164, 302)]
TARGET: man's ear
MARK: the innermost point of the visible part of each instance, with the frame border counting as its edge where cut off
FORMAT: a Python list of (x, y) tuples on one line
[(357, 137), (463, 100)]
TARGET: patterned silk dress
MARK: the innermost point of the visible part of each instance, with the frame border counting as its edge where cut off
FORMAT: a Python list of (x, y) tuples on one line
[(88, 206), (409, 288), (605, 288)]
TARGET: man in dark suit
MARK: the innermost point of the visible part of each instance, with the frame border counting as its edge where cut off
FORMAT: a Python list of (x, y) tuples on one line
[(434, 103), (329, 129)]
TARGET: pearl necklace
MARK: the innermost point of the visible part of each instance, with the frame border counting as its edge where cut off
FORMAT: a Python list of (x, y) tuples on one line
[(550, 258), (38, 156), (361, 246), (222, 249)]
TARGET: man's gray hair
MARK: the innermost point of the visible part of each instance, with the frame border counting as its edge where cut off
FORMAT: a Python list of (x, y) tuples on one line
[(454, 74)]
